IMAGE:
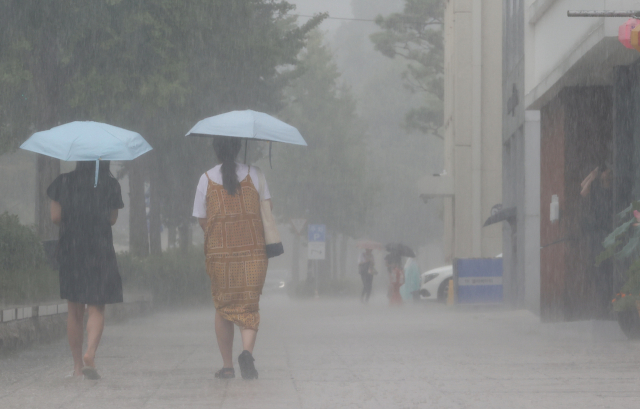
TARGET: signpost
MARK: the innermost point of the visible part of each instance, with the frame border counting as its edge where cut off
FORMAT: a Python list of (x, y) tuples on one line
[(316, 247), (298, 226)]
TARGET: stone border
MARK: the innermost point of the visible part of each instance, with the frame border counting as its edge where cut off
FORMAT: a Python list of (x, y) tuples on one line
[(24, 325)]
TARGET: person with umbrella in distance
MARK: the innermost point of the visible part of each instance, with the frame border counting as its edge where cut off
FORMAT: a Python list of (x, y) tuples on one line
[(396, 272), (396, 278), (366, 267), (229, 206), (410, 290), (85, 204)]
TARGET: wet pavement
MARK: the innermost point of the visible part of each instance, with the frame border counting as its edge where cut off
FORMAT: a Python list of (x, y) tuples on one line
[(341, 354)]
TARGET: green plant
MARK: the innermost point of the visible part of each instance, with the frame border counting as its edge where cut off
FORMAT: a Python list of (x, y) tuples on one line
[(24, 274), (624, 244), (174, 277)]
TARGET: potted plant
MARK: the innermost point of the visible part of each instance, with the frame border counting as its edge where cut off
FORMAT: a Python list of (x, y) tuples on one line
[(623, 244)]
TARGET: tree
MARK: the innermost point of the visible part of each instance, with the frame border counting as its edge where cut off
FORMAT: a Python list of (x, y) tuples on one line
[(154, 67), (396, 158), (416, 35), (325, 181), (35, 39)]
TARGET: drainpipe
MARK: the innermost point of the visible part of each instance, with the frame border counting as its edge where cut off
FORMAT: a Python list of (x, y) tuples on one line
[(476, 128)]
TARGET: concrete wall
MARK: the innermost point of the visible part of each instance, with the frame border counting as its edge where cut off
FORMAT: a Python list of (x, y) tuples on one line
[(521, 170), (570, 70), (473, 67), (563, 51)]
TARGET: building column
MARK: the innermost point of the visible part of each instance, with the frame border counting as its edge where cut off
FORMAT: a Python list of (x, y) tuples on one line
[(531, 206)]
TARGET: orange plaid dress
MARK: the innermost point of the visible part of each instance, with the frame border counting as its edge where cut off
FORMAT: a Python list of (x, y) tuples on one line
[(235, 250)]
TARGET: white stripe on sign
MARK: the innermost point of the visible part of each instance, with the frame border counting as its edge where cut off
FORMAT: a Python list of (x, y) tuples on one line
[(480, 281)]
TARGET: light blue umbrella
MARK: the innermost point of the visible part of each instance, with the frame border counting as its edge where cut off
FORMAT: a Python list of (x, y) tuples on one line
[(85, 141), (248, 125)]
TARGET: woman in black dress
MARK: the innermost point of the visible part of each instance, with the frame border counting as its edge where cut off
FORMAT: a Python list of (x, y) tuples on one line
[(86, 257)]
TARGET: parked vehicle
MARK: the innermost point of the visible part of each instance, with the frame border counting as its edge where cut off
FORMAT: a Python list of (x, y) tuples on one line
[(276, 280), (434, 284)]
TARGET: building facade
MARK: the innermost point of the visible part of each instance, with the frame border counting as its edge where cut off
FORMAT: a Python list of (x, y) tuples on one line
[(471, 184), (584, 84), (520, 170)]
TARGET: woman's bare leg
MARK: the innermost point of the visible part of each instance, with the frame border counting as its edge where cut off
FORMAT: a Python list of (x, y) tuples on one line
[(75, 334), (224, 334), (95, 326), (248, 339)]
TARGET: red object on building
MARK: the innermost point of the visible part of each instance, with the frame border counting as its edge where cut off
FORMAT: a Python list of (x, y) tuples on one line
[(635, 38), (624, 32)]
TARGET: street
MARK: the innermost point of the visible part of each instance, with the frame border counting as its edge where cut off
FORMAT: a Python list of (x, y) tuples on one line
[(341, 354)]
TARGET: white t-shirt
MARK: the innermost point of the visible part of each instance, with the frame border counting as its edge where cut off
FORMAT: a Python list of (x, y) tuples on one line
[(200, 202)]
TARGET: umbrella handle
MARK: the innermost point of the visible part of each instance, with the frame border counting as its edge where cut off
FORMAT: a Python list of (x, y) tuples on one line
[(95, 183)]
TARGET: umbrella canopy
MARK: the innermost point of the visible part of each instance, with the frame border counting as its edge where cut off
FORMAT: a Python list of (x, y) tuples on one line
[(87, 141), (369, 245), (248, 125), (400, 249)]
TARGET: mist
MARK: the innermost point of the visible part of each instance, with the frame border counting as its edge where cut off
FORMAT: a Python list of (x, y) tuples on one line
[(358, 204)]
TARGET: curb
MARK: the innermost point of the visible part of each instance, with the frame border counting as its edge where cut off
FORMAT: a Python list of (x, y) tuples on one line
[(22, 326)]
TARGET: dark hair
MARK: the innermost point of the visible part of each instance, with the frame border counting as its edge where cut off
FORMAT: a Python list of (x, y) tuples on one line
[(393, 258), (88, 169), (227, 149)]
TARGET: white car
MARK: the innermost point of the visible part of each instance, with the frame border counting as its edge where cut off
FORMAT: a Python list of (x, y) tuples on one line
[(434, 284)]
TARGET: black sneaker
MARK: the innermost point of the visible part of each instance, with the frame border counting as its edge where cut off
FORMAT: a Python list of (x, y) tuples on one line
[(247, 369)]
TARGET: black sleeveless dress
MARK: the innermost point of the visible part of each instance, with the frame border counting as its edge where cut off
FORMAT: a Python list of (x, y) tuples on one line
[(86, 257)]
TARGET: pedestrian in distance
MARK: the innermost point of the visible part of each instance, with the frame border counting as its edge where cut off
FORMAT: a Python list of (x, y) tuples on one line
[(396, 278), (88, 269), (366, 268), (410, 290), (227, 205)]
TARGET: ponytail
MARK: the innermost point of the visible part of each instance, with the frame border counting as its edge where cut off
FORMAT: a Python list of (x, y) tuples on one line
[(227, 149)]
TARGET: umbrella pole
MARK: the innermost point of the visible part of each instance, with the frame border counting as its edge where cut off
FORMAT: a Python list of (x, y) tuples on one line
[(95, 183), (246, 143), (270, 165)]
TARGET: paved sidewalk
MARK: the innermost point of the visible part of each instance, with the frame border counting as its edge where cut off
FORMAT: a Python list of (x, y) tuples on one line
[(341, 354)]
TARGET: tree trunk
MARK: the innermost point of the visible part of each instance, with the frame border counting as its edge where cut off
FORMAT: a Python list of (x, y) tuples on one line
[(295, 259), (47, 169), (184, 231), (172, 236), (334, 255), (138, 232), (344, 248), (328, 255), (155, 223), (46, 81)]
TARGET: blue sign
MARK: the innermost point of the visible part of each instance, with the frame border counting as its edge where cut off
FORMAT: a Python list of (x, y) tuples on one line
[(317, 232), (478, 280)]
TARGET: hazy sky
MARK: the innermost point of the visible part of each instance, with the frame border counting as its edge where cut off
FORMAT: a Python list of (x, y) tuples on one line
[(335, 8)]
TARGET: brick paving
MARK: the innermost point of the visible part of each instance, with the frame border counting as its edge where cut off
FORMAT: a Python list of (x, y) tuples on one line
[(341, 354)]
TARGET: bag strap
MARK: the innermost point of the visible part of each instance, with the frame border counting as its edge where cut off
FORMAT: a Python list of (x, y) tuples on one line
[(262, 182)]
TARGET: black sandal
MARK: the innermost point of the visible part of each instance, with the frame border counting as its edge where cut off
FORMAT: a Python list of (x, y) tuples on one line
[(247, 369), (226, 373)]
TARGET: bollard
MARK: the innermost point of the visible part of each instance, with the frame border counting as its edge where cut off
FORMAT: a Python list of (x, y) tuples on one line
[(450, 293)]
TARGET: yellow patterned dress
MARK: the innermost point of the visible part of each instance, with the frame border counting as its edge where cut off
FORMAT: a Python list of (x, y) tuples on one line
[(235, 250)]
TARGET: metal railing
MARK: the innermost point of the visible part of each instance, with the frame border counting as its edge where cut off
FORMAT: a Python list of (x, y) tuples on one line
[(597, 13)]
